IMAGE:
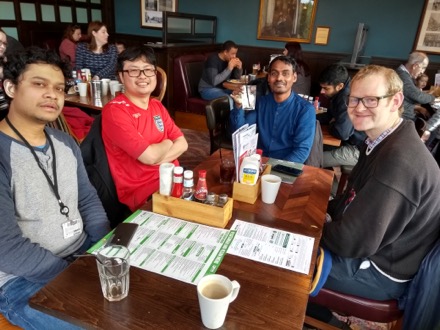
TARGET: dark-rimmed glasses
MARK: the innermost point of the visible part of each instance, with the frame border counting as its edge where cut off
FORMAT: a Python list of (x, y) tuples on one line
[(136, 73), (367, 101)]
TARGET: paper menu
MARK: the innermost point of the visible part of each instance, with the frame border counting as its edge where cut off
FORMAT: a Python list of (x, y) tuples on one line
[(244, 143), (272, 246), (175, 248)]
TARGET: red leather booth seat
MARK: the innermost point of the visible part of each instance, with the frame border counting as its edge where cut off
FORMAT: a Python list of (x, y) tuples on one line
[(187, 72), (372, 310)]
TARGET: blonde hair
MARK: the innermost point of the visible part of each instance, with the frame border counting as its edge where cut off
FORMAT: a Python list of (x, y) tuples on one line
[(394, 83)]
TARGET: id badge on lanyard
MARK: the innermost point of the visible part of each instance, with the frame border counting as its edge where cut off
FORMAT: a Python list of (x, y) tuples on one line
[(71, 228)]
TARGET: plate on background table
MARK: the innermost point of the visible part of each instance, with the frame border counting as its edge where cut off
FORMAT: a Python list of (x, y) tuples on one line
[(234, 81)]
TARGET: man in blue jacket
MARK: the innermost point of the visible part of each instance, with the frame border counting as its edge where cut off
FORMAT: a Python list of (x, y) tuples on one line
[(285, 121)]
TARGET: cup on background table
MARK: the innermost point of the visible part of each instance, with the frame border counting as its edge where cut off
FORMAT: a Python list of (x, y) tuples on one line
[(165, 178), (215, 293), (105, 84), (81, 88), (255, 68), (96, 89), (270, 185), (114, 271), (115, 86), (227, 170)]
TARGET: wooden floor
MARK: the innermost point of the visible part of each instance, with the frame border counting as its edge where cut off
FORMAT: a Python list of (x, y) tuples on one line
[(191, 121)]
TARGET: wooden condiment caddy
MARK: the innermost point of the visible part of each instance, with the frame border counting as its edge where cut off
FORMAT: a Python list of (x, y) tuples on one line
[(249, 193), (193, 211)]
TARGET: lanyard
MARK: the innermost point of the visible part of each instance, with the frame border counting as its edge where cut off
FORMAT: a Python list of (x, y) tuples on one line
[(64, 210)]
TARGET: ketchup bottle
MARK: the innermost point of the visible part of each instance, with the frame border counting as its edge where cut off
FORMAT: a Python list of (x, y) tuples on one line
[(177, 189), (201, 188)]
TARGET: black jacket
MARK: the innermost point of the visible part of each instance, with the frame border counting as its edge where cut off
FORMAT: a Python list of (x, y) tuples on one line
[(96, 163)]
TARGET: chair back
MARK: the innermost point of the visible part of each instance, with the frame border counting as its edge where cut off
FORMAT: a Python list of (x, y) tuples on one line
[(316, 157), (61, 124), (96, 163), (161, 86), (217, 120)]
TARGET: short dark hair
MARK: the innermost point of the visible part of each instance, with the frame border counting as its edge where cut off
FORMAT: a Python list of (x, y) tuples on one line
[(294, 49), (228, 44), (286, 60), (333, 75), (14, 67), (133, 53)]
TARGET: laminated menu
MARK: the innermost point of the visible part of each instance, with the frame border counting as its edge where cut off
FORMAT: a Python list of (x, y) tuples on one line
[(175, 248)]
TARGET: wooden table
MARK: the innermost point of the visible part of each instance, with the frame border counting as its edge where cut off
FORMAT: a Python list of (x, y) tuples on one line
[(329, 139), (87, 103), (269, 298)]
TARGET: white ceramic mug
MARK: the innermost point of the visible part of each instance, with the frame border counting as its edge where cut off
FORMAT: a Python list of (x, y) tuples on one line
[(81, 88), (270, 185), (115, 86), (215, 293)]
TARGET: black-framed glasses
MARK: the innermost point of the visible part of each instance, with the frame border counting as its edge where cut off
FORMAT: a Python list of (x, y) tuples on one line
[(136, 73), (367, 101)]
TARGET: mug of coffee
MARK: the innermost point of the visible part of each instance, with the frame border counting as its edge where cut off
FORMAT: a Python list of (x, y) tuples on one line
[(215, 293), (81, 88)]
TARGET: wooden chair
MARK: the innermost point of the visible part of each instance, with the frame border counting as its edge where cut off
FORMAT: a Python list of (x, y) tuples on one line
[(345, 172), (377, 311), (161, 86), (61, 124)]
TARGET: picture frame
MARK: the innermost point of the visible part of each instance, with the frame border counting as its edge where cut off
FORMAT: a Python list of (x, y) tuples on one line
[(152, 12), (428, 33), (322, 34), (286, 20)]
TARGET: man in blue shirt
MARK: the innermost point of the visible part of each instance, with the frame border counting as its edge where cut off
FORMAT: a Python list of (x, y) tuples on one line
[(285, 121)]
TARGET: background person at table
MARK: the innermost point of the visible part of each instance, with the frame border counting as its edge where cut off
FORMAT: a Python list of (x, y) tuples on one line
[(304, 77), (137, 131), (3, 100), (285, 121), (335, 86), (67, 48), (217, 69), (414, 67), (424, 111), (120, 46), (36, 239), (388, 218), (98, 55)]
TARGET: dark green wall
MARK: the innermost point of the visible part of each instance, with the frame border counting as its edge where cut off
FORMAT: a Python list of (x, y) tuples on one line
[(392, 24)]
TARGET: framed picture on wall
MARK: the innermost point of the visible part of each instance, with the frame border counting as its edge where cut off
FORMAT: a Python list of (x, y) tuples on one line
[(151, 12), (286, 20), (428, 35)]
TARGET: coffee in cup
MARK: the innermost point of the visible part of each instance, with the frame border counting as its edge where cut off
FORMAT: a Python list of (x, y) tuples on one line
[(215, 293)]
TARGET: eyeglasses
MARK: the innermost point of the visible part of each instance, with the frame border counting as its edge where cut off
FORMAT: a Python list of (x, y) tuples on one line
[(4, 44), (136, 73), (367, 101)]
